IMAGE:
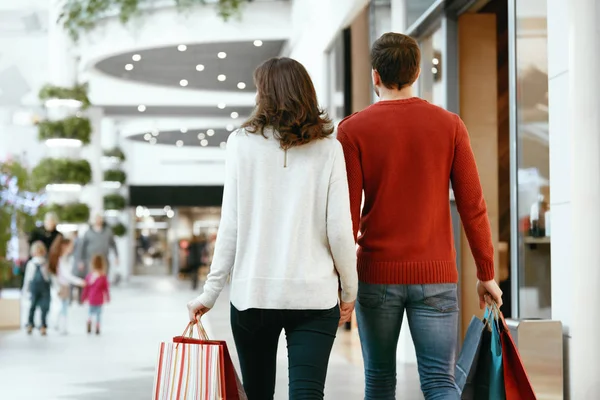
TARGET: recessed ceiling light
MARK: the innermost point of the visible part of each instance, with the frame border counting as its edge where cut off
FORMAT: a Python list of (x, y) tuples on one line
[(223, 145), (200, 67), (201, 136), (258, 43), (128, 67), (204, 143), (183, 130), (183, 82), (241, 85), (222, 54), (153, 140), (221, 78), (234, 115), (222, 105), (210, 132), (230, 127), (155, 132), (147, 136), (136, 57), (141, 108), (182, 47), (179, 143)]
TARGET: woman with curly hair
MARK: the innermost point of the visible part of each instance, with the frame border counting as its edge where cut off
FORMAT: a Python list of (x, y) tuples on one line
[(285, 236)]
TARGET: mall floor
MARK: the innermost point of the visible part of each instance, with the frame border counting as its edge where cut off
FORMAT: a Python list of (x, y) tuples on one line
[(119, 364)]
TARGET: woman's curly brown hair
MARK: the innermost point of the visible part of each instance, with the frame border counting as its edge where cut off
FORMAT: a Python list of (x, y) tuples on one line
[(287, 103)]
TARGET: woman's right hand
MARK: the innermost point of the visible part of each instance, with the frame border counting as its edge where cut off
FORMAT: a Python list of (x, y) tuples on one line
[(196, 310)]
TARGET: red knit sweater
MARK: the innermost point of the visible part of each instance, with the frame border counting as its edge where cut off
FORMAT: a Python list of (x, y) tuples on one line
[(403, 154)]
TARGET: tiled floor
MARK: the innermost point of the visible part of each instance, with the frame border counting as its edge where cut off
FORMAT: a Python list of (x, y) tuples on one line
[(119, 364)]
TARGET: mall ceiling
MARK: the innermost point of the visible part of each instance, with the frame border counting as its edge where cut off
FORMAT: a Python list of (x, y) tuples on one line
[(208, 66), (218, 111), (186, 137)]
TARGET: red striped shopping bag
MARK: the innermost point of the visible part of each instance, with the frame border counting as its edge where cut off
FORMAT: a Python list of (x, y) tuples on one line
[(196, 369)]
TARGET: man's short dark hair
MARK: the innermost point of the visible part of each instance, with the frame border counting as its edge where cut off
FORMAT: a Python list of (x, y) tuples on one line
[(396, 57)]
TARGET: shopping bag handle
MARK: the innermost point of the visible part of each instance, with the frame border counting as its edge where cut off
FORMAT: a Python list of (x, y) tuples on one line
[(189, 330)]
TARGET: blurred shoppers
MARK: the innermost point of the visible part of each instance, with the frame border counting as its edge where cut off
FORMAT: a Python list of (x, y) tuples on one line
[(37, 283), (96, 290), (196, 253), (402, 152), (99, 239), (285, 235), (47, 233), (60, 266)]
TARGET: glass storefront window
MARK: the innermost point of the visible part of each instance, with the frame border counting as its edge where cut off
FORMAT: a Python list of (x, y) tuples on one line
[(533, 159), (416, 8), (431, 85)]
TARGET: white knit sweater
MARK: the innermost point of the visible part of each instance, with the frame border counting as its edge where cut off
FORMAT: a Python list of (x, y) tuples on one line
[(286, 232)]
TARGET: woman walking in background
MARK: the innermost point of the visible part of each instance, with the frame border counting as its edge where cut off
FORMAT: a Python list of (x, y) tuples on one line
[(285, 236), (60, 266), (96, 291)]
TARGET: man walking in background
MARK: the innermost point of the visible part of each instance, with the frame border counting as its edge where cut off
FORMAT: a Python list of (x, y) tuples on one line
[(98, 239), (402, 153)]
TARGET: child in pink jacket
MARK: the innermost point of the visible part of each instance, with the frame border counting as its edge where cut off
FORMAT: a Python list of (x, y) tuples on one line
[(96, 291)]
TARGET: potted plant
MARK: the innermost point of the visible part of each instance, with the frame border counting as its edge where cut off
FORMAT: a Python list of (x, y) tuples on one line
[(77, 92), (119, 229), (69, 128), (115, 175), (114, 202), (61, 170)]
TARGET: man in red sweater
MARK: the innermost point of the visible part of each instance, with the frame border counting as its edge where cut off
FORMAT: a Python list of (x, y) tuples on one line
[(403, 153)]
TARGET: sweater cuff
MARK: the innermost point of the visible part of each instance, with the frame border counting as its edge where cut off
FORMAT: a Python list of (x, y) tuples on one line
[(485, 272), (348, 296), (206, 299)]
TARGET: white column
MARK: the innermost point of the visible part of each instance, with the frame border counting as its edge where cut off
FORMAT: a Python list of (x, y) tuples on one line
[(93, 194), (584, 102), (574, 100), (62, 61), (399, 16)]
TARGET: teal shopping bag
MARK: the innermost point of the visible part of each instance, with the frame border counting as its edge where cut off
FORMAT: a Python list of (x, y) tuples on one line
[(496, 388)]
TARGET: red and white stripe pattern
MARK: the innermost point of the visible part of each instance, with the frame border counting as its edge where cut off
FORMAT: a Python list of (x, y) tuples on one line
[(188, 372)]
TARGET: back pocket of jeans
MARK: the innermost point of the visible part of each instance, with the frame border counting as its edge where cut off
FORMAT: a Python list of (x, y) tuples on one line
[(441, 296), (370, 295)]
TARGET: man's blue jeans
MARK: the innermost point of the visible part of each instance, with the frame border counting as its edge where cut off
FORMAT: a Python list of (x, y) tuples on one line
[(432, 312)]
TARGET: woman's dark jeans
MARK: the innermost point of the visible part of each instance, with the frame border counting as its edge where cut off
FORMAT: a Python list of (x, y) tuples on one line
[(310, 335)]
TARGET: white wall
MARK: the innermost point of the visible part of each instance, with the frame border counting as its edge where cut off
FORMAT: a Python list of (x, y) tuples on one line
[(315, 24)]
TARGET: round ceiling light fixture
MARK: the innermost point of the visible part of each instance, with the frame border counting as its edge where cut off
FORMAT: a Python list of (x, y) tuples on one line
[(221, 78), (141, 108), (222, 55), (128, 67), (183, 82), (183, 130), (201, 136), (221, 106), (179, 143), (241, 85), (147, 136), (182, 47), (152, 140), (223, 145), (204, 143), (210, 132), (155, 132), (136, 57), (230, 127), (258, 43), (200, 67), (234, 115)]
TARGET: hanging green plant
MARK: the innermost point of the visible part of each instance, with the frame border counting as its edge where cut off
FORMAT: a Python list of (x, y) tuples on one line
[(81, 16), (115, 175), (116, 153), (119, 229), (114, 202), (60, 170), (77, 92), (68, 128), (67, 213)]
